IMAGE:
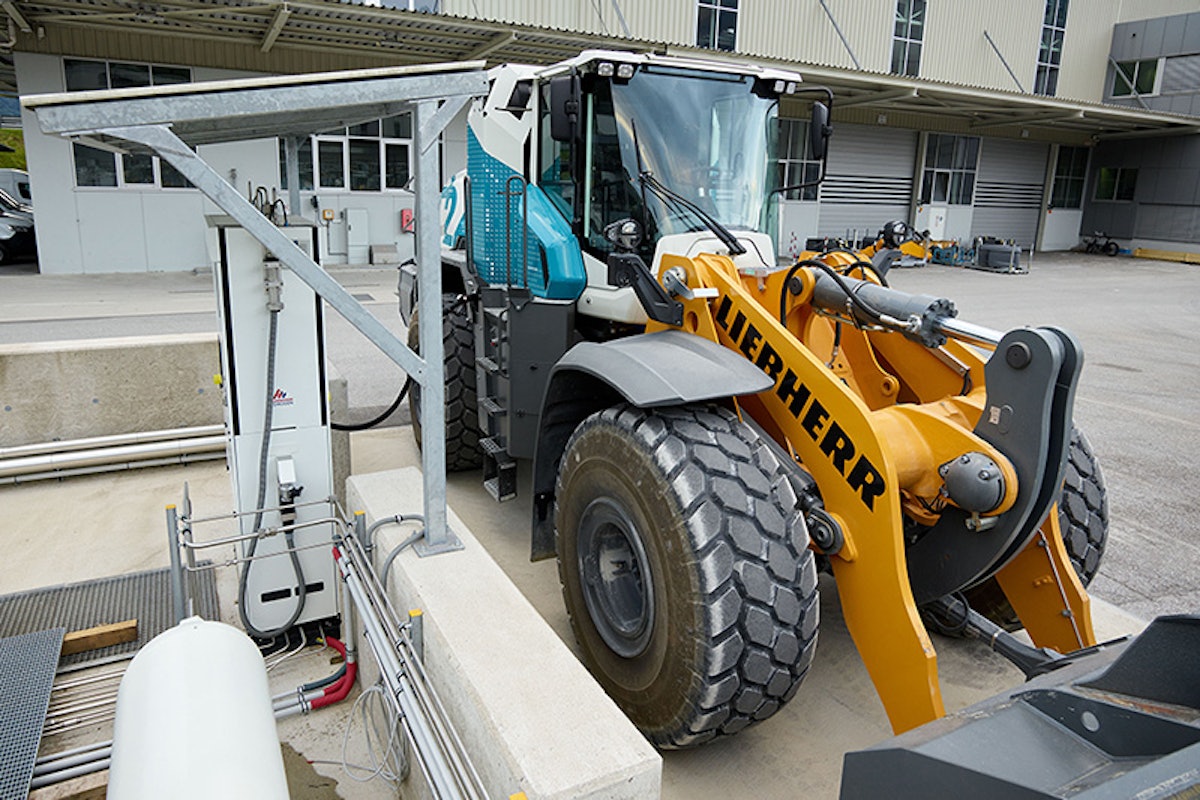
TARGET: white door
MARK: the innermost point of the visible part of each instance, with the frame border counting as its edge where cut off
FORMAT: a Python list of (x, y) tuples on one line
[(1060, 228), (358, 236)]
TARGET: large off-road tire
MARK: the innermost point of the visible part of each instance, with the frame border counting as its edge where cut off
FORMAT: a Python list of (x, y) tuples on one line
[(462, 414), (685, 569), (1082, 519)]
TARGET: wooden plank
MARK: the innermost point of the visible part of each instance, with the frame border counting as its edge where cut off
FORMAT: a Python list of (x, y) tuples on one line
[(1167, 255), (93, 786), (100, 636)]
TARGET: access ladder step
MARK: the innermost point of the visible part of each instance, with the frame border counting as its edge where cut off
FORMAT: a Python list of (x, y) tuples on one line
[(492, 408), (499, 470), (488, 365)]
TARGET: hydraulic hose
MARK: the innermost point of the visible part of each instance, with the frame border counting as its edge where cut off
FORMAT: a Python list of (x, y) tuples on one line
[(371, 423), (289, 538)]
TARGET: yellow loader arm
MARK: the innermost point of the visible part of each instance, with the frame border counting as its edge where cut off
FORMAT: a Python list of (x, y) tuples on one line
[(934, 480)]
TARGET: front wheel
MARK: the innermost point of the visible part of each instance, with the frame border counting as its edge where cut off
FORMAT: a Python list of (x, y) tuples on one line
[(685, 569)]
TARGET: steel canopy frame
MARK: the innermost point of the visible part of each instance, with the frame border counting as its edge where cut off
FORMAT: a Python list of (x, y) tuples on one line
[(169, 120)]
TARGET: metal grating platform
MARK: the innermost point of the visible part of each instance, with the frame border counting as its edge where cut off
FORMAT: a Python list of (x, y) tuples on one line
[(27, 665), (144, 596)]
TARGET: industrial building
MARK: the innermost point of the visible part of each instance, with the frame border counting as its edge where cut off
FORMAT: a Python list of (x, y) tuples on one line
[(1031, 121)]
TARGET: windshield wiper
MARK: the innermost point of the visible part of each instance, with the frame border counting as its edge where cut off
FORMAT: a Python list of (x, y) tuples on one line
[(669, 197)]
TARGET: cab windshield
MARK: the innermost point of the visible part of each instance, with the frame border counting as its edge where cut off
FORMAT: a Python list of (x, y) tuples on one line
[(705, 136)]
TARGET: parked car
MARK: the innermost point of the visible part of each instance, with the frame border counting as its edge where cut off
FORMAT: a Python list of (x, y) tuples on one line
[(13, 207), (16, 237), (16, 183)]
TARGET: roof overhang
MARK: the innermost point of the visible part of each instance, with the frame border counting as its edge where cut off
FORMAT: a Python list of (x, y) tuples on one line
[(392, 36)]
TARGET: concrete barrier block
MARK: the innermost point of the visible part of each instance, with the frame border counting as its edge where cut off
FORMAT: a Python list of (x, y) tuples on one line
[(531, 716), (51, 391)]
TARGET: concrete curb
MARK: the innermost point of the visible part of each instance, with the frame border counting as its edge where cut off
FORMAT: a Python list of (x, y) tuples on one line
[(531, 716)]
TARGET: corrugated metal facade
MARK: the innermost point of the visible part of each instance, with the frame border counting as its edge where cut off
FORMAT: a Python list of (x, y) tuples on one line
[(666, 21), (870, 179), (954, 49), (957, 51), (803, 32), (1008, 189)]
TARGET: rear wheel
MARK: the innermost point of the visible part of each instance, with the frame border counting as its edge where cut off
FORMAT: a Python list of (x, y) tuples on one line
[(462, 413), (1082, 519), (1111, 248), (685, 570)]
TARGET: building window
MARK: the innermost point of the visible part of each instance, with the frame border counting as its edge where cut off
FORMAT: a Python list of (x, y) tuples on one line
[(1070, 172), (1116, 183), (1135, 77), (796, 164), (363, 158), (907, 37), (716, 24), (95, 167), (950, 164), (1054, 28)]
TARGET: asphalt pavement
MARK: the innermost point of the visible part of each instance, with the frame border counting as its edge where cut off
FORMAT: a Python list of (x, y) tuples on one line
[(1137, 400)]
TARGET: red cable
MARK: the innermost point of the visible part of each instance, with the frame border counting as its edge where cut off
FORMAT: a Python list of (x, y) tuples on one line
[(339, 689)]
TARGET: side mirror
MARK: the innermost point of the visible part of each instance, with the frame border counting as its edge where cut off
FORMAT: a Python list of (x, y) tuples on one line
[(564, 107), (624, 234), (819, 131)]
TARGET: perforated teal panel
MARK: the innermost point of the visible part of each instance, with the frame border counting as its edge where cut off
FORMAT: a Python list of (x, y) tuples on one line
[(552, 266)]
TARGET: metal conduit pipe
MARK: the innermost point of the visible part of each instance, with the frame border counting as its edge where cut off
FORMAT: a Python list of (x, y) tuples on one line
[(439, 750), (403, 644), (74, 751), (115, 440), (61, 764), (51, 464), (58, 767), (66, 774)]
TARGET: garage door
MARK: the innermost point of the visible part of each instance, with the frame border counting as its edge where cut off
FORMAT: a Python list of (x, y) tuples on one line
[(1008, 189), (869, 180)]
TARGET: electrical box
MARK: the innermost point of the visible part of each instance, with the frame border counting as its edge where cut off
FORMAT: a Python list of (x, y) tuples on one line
[(298, 465)]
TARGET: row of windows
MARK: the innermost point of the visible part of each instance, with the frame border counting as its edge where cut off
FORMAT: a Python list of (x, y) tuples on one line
[(95, 167), (951, 163), (907, 37), (948, 175), (363, 158), (1135, 77), (1054, 29)]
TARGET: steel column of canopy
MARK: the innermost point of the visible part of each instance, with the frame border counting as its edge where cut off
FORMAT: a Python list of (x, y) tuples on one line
[(170, 120)]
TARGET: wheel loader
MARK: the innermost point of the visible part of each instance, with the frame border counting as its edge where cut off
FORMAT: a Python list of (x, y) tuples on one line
[(709, 428)]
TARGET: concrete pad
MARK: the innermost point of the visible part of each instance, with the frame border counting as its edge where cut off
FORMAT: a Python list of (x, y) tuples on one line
[(529, 713)]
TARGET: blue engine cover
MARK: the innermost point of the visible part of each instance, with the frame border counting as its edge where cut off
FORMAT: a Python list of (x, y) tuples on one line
[(553, 264)]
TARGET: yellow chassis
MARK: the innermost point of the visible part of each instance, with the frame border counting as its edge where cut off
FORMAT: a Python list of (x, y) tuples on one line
[(871, 419)]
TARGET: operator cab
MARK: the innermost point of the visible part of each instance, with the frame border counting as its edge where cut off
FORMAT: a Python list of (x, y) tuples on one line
[(690, 154)]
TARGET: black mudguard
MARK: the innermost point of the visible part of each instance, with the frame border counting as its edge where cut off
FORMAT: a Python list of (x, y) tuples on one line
[(650, 370)]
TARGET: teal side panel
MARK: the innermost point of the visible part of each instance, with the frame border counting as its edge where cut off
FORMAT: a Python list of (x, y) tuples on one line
[(565, 275), (552, 266)]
